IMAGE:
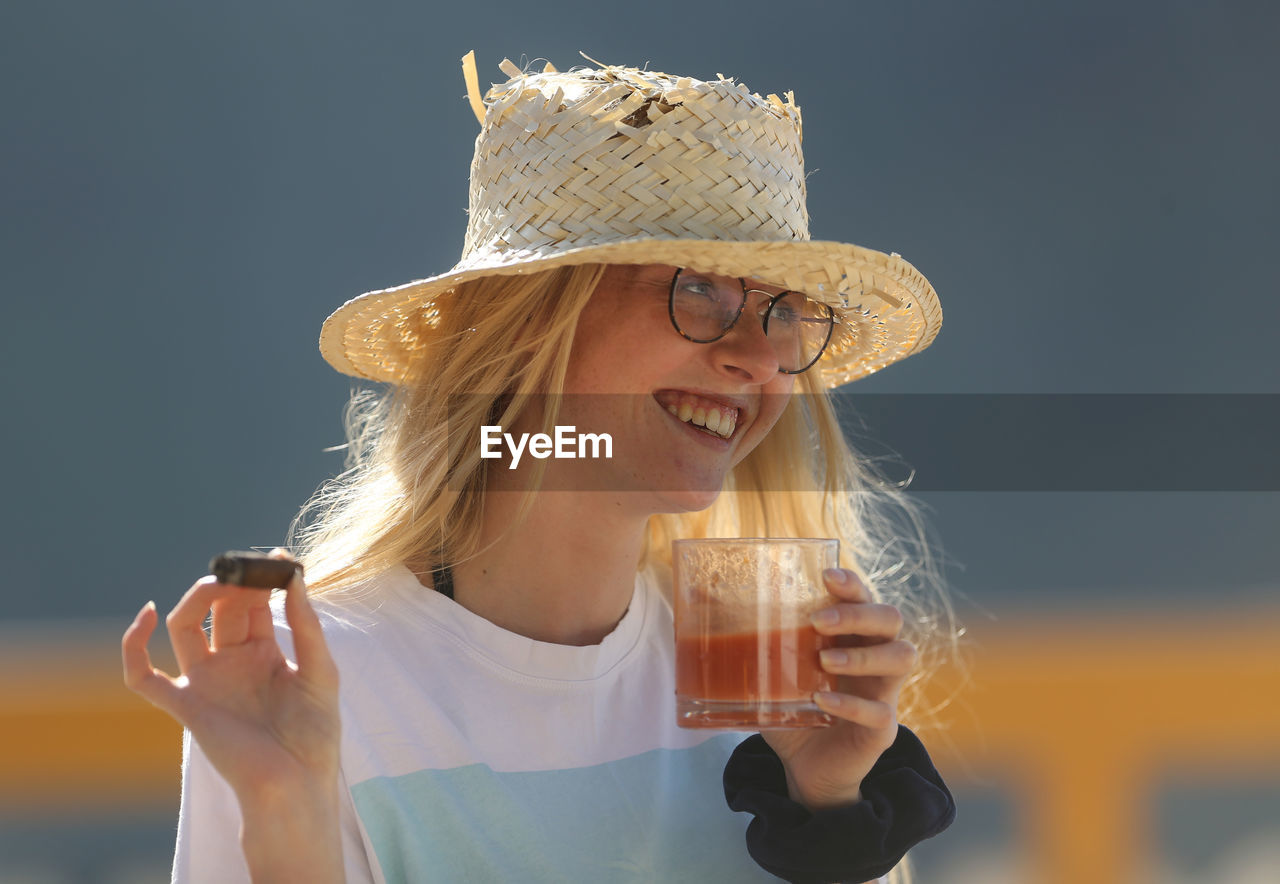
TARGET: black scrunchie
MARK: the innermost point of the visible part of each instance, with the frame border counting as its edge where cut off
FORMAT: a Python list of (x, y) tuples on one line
[(904, 802)]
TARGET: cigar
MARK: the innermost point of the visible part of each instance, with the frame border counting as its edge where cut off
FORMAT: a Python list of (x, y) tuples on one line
[(253, 569)]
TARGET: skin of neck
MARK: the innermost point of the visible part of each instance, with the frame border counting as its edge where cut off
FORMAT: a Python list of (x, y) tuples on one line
[(565, 574)]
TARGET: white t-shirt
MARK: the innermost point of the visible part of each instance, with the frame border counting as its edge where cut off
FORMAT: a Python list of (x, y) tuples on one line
[(470, 753)]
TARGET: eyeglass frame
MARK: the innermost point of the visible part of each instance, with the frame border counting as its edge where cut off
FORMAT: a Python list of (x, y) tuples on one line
[(742, 305)]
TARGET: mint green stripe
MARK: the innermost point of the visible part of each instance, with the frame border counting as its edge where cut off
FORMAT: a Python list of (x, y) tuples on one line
[(609, 822)]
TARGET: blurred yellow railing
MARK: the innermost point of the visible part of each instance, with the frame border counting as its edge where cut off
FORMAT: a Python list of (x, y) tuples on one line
[(1079, 717)]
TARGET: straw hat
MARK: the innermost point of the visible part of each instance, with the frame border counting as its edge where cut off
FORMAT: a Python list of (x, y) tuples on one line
[(622, 166)]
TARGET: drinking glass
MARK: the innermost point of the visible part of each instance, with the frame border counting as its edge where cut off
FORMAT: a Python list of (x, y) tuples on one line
[(746, 652)]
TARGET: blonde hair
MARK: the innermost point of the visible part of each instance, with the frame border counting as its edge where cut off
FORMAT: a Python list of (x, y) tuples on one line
[(413, 490), (414, 485)]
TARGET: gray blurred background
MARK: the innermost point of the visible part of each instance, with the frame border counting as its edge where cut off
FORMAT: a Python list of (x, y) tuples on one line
[(189, 190)]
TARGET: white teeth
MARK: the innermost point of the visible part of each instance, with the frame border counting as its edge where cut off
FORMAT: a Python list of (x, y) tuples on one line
[(700, 416), (673, 410), (713, 420), (686, 411)]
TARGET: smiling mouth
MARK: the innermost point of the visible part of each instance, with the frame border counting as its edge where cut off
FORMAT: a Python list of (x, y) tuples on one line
[(713, 418)]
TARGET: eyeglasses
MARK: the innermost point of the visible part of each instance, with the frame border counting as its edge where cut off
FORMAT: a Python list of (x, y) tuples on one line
[(703, 310)]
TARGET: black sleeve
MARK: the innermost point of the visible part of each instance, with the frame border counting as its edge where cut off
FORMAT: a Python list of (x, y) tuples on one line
[(904, 802)]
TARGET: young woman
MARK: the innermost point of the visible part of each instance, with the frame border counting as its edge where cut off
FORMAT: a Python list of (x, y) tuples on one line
[(482, 688)]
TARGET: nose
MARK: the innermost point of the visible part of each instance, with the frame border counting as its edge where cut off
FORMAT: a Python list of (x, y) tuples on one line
[(745, 351)]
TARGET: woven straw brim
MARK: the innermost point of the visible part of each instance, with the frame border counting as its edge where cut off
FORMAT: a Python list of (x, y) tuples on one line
[(886, 309)]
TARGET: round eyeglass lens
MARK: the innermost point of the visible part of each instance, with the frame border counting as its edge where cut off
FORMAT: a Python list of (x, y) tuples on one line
[(704, 308), (799, 328)]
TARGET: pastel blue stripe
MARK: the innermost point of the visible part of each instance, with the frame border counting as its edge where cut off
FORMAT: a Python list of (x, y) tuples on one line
[(609, 822)]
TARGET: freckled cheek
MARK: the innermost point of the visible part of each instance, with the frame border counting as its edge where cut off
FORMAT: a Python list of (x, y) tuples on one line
[(633, 366)]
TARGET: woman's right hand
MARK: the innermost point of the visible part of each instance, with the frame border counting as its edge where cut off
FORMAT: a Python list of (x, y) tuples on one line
[(270, 727)]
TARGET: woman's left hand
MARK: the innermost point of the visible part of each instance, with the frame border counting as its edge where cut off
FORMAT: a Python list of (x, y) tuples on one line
[(825, 765)]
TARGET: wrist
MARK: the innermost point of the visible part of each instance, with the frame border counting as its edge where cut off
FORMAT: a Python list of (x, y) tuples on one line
[(814, 802), (289, 791), (291, 831)]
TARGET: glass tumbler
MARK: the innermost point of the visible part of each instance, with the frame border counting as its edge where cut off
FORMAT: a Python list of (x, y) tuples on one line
[(746, 653)]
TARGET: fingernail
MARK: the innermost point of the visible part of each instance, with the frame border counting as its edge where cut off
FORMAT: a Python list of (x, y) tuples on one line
[(836, 575), (825, 617), (834, 657), (826, 698)]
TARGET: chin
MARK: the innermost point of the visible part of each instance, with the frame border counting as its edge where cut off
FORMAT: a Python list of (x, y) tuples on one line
[(687, 501)]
